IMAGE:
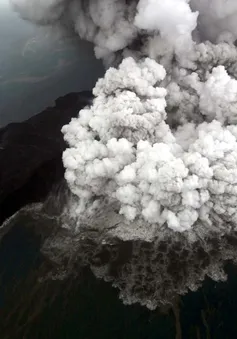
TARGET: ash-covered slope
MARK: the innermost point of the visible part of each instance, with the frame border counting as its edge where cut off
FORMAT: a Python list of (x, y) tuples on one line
[(30, 153)]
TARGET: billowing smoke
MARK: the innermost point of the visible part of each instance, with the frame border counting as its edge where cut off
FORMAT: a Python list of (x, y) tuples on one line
[(152, 164)]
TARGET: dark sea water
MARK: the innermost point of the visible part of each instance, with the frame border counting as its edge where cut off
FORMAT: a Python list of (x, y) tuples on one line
[(37, 67), (86, 308)]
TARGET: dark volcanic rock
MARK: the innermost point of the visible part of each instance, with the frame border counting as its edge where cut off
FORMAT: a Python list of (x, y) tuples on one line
[(30, 153)]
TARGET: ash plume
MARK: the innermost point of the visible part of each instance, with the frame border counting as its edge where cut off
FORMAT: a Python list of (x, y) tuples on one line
[(152, 163)]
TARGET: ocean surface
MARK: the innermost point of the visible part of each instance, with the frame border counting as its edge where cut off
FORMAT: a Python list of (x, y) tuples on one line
[(83, 307), (37, 67)]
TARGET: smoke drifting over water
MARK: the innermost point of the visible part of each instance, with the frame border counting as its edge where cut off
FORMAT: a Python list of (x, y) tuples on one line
[(152, 164)]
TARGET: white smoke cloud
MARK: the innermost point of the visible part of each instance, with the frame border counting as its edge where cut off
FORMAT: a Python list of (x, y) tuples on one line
[(175, 26), (155, 156), (121, 147), (112, 25), (216, 18)]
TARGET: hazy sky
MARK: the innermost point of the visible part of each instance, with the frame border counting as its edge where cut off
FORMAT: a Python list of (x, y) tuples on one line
[(4, 3), (34, 70)]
